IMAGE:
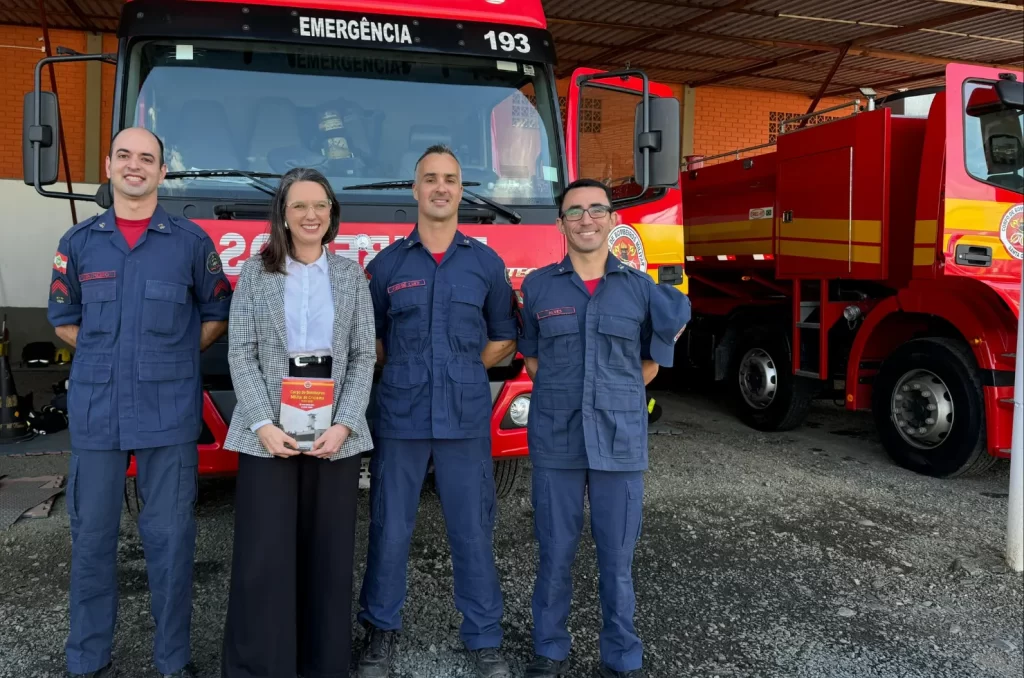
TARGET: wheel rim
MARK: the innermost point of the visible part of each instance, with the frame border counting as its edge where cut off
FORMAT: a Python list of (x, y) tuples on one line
[(922, 409), (759, 380)]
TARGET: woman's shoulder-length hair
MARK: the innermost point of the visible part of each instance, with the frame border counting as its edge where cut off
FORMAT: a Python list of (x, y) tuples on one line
[(280, 246)]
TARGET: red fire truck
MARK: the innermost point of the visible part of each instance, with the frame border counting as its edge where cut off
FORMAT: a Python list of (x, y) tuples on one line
[(872, 254), (240, 92)]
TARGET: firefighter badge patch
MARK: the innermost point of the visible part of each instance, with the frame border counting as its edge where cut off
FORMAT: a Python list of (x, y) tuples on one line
[(627, 247), (213, 263), (1011, 231), (221, 290), (60, 263)]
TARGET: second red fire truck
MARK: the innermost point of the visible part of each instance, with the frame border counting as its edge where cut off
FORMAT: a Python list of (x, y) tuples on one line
[(872, 255)]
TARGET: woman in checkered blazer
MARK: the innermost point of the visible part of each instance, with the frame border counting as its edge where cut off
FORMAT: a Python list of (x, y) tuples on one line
[(297, 311)]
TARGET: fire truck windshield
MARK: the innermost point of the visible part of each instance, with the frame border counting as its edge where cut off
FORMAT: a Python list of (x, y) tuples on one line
[(360, 117)]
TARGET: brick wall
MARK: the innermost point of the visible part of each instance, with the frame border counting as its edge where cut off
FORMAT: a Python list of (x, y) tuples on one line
[(728, 119)]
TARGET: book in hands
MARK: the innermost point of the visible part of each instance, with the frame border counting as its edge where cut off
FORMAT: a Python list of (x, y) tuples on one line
[(307, 409)]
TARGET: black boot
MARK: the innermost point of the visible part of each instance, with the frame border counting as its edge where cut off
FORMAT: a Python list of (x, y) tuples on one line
[(543, 667), (108, 671), (378, 653)]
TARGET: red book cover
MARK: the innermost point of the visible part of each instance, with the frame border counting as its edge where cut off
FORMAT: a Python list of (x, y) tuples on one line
[(307, 408)]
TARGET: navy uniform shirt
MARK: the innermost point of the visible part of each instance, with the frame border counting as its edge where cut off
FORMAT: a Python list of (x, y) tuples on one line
[(135, 379), (589, 405), (434, 321)]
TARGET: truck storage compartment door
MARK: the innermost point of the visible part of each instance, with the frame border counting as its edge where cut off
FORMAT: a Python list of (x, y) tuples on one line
[(832, 199)]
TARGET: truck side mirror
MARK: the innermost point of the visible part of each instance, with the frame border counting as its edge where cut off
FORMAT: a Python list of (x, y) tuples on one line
[(661, 142), (1011, 93), (44, 139)]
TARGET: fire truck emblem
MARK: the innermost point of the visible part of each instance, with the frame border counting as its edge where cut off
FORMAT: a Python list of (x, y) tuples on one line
[(627, 247), (1011, 231)]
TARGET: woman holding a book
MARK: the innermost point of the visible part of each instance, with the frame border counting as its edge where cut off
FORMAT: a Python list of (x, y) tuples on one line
[(301, 350)]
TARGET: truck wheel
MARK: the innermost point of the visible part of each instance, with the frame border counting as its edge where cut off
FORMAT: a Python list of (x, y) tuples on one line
[(766, 394), (505, 472), (930, 410)]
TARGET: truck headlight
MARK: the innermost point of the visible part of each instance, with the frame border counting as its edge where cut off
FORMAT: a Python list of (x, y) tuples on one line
[(519, 410)]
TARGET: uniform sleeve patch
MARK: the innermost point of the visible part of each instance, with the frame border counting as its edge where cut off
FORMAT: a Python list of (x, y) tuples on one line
[(547, 313), (508, 277), (213, 263), (60, 263), (59, 291), (406, 285), (221, 290), (97, 275)]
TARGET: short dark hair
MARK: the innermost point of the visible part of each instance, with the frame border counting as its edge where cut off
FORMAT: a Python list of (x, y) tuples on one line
[(280, 243), (585, 183), (440, 149), (159, 141)]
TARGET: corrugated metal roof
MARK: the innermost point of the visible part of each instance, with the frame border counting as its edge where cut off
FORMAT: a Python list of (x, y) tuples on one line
[(787, 45)]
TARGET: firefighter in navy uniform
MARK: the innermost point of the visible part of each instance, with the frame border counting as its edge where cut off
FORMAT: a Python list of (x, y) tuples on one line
[(139, 294), (444, 312), (594, 331)]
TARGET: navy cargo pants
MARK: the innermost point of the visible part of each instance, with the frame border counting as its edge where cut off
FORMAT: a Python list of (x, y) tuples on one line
[(616, 505), (167, 482), (464, 475)]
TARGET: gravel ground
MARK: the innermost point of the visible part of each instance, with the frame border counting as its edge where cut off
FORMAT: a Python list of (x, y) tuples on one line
[(798, 554)]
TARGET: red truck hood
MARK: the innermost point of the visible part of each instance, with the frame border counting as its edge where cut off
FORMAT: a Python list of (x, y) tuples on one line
[(522, 247)]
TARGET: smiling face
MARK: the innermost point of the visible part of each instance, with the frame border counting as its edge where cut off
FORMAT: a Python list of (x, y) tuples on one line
[(134, 165), (584, 232), (438, 187), (307, 212)]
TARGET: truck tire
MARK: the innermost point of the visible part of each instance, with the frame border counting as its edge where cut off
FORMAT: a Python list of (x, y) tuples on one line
[(505, 472), (937, 377), (766, 394), (132, 499)]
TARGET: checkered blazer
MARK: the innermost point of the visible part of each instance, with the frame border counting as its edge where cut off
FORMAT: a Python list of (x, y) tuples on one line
[(258, 353)]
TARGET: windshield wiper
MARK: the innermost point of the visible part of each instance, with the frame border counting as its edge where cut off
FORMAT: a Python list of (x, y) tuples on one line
[(253, 177), (509, 213)]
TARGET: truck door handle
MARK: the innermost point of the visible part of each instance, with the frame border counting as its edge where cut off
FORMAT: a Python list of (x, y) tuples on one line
[(787, 217), (973, 255)]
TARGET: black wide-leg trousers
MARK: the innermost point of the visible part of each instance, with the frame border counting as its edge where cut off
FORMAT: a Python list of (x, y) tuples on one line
[(289, 607)]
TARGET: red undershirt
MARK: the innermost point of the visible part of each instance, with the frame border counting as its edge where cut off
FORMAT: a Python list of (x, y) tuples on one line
[(438, 256), (132, 229), (591, 285)]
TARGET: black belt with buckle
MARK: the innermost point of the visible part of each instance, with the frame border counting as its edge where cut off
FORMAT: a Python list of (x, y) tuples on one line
[(303, 360)]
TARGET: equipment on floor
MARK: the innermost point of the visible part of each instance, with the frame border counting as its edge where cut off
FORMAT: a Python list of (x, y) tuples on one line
[(14, 426)]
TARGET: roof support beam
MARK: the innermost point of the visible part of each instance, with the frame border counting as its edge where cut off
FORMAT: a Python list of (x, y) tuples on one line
[(892, 83), (824, 85), (80, 15), (983, 3)]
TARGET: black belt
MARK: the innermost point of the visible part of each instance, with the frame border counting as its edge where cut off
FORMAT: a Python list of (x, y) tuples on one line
[(303, 360), (310, 366)]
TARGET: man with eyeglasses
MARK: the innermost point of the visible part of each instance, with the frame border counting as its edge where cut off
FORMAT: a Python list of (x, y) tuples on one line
[(594, 331)]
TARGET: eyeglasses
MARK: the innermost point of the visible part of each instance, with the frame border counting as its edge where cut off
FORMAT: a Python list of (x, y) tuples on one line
[(320, 207), (595, 212)]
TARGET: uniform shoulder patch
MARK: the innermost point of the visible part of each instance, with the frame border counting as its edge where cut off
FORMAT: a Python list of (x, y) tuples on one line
[(60, 262), (213, 263), (59, 293)]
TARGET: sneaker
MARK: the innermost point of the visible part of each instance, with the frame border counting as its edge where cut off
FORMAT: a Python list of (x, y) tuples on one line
[(544, 667), (187, 671), (489, 663), (108, 671), (378, 653), (605, 672)]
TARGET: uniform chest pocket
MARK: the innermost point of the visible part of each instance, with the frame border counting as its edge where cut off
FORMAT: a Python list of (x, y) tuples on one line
[(99, 307), (618, 339), (407, 308), (166, 307), (466, 310), (560, 340)]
